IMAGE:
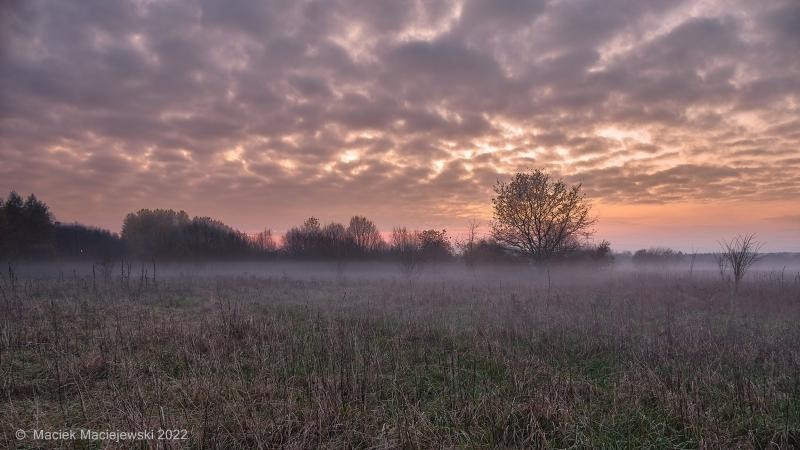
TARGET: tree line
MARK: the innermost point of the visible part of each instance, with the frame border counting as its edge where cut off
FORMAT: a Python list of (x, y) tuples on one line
[(536, 218), (29, 230)]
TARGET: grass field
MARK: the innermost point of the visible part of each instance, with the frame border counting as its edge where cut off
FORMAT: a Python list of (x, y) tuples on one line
[(580, 359)]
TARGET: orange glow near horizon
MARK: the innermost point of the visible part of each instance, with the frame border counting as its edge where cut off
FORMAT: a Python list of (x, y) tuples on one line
[(680, 119)]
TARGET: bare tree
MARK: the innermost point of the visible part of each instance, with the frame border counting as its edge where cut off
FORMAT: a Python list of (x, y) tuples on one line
[(406, 245), (365, 235), (265, 242), (739, 254), (303, 241), (469, 243), (538, 217)]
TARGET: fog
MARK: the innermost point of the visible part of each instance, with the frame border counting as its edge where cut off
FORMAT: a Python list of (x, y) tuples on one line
[(786, 267)]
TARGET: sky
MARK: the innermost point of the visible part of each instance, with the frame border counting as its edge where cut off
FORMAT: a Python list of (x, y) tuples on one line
[(681, 119)]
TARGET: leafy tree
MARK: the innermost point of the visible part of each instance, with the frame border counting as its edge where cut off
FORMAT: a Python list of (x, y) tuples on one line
[(489, 251), (26, 227), (153, 233), (603, 251), (206, 237), (539, 217), (38, 225), (80, 241), (11, 239), (657, 255), (311, 225), (314, 241), (587, 253), (13, 208), (167, 233)]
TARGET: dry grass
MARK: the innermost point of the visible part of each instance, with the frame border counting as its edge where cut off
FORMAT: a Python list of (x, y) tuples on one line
[(626, 360)]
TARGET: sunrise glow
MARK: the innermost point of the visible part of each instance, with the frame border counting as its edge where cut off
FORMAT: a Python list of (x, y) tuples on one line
[(679, 118)]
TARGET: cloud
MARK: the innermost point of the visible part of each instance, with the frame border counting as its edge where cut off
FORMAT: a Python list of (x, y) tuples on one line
[(265, 111)]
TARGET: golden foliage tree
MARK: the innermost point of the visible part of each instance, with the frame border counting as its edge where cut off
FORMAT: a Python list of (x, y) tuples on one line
[(540, 217)]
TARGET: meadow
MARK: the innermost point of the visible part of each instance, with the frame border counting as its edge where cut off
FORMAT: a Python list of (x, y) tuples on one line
[(316, 356)]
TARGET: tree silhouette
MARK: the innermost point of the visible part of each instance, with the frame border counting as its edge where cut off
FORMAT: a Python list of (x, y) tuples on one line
[(265, 242), (406, 248), (80, 241), (489, 251), (657, 255), (152, 233), (434, 246), (311, 240), (205, 237), (739, 255), (26, 227), (38, 225), (164, 233), (12, 239), (4, 230), (335, 242), (365, 236), (538, 217), (468, 245), (303, 241)]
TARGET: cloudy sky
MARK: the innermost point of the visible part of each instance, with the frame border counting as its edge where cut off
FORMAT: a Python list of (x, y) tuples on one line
[(680, 118)]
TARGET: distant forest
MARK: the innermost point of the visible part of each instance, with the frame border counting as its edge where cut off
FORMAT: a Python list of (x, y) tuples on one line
[(29, 230)]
